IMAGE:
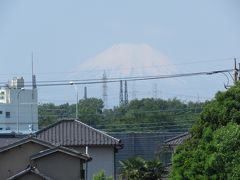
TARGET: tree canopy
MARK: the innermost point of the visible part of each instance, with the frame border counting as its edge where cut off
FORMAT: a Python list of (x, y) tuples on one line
[(213, 151)]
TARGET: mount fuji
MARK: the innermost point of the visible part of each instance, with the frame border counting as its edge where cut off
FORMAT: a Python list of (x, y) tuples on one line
[(128, 60), (122, 60)]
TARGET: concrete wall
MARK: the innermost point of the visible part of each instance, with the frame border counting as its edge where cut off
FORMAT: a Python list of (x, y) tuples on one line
[(102, 159), (17, 159), (59, 166)]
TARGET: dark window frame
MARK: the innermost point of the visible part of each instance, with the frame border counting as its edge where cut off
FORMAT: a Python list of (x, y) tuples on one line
[(7, 114)]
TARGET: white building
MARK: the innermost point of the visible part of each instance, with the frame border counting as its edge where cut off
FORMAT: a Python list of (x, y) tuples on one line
[(18, 107)]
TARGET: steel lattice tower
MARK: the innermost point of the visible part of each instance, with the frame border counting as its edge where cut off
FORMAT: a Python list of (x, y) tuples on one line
[(121, 102), (126, 94), (104, 95)]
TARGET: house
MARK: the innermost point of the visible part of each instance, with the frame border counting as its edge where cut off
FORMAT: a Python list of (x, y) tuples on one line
[(76, 135), (60, 163), (15, 157), (171, 145), (32, 158)]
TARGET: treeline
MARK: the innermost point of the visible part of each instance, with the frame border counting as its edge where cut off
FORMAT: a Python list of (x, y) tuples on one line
[(148, 115)]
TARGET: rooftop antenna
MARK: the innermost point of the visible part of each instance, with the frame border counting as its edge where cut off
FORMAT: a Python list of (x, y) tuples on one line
[(34, 85)]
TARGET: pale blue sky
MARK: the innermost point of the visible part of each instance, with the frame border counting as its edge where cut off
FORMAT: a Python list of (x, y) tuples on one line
[(64, 33)]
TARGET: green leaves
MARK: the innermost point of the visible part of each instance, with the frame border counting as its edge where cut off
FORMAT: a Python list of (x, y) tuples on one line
[(213, 152), (137, 168), (101, 176)]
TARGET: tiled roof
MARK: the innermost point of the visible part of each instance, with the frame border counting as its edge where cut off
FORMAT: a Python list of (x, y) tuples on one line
[(29, 170), (9, 138), (7, 141), (25, 140), (177, 140), (70, 132), (62, 149)]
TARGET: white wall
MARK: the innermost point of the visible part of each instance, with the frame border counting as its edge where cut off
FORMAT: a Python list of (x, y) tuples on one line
[(102, 159), (19, 102)]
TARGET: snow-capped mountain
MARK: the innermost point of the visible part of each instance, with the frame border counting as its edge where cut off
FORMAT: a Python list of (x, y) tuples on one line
[(122, 60)]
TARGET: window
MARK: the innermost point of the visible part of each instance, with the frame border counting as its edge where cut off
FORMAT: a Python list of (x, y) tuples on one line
[(0, 112), (7, 114), (2, 95)]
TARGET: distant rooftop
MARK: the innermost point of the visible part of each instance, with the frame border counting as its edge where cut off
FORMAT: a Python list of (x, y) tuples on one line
[(177, 140), (9, 138), (71, 132)]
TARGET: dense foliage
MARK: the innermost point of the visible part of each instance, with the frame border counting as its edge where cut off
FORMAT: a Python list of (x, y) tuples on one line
[(213, 152), (139, 115), (137, 168)]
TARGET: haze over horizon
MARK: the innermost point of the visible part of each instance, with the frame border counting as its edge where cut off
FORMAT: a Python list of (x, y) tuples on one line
[(79, 40)]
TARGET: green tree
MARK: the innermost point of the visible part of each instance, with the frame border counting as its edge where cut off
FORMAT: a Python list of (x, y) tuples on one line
[(90, 111), (101, 176), (137, 168), (139, 115), (213, 150)]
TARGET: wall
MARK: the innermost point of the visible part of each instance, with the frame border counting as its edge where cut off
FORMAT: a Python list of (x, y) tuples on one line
[(59, 166), (102, 159)]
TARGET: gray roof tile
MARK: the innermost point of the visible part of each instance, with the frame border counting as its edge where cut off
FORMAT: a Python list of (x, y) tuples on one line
[(71, 132), (177, 140)]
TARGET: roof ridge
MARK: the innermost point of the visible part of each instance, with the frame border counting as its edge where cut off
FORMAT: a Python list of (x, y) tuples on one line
[(176, 137), (23, 140), (102, 132), (66, 150), (52, 125)]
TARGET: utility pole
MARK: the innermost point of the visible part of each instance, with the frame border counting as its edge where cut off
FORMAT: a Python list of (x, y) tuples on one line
[(85, 93)]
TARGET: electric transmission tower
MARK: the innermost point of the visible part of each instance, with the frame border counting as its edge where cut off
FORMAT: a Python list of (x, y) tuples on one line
[(121, 102), (125, 93), (105, 96)]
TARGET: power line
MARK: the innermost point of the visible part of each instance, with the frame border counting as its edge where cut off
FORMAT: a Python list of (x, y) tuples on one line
[(134, 78)]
